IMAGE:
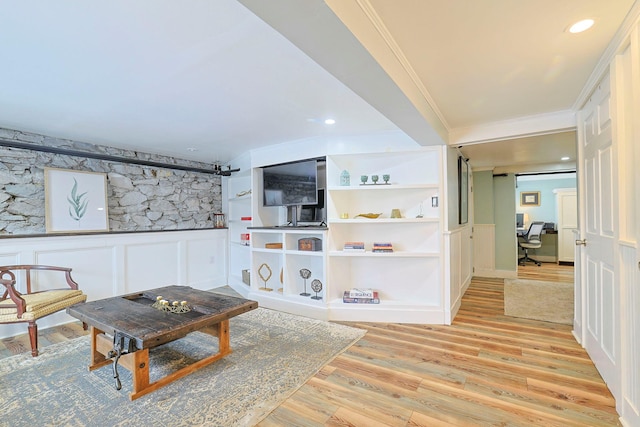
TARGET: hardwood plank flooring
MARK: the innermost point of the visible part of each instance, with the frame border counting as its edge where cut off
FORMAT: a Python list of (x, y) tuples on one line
[(486, 369)]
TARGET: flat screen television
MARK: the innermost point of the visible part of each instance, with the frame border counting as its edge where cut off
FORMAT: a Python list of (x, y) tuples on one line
[(291, 184)]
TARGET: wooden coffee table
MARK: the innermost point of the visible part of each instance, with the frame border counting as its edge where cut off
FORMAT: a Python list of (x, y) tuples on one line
[(145, 327)]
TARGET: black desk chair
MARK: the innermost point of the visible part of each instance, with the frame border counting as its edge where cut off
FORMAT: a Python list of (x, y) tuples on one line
[(531, 241)]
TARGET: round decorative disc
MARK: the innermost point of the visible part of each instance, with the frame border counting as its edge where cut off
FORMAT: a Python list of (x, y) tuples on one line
[(304, 273), (316, 285)]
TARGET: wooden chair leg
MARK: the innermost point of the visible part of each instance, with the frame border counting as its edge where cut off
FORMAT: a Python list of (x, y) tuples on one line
[(33, 337)]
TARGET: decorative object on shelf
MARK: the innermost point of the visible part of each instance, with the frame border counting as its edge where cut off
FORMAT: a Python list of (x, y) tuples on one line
[(268, 274), (345, 179), (309, 244), (281, 279), (420, 214), (218, 220), (316, 286), (386, 178), (374, 178), (363, 179), (395, 213), (275, 245), (305, 274), (369, 215), (344, 215), (175, 307), (243, 193)]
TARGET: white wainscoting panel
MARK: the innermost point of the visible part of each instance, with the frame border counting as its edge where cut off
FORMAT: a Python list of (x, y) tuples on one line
[(484, 250), (106, 265)]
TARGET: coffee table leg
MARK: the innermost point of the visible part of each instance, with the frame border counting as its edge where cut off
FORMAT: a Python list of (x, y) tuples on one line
[(98, 359), (140, 371)]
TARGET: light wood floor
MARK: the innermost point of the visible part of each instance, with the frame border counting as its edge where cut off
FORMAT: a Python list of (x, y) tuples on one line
[(486, 369)]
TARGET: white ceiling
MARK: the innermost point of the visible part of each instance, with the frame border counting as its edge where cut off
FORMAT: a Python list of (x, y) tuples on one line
[(216, 77)]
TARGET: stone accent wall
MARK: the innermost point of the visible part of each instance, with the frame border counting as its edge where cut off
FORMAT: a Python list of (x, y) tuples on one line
[(140, 197)]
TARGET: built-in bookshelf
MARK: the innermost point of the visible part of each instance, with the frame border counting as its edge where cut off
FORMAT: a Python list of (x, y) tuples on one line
[(407, 276)]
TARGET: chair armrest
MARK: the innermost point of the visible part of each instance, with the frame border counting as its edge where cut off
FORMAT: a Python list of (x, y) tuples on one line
[(14, 295), (28, 268)]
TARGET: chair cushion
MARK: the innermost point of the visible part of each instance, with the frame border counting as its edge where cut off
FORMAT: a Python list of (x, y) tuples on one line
[(534, 244), (40, 304)]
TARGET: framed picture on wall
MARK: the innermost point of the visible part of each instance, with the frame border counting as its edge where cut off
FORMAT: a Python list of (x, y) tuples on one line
[(75, 201), (529, 198), (463, 191)]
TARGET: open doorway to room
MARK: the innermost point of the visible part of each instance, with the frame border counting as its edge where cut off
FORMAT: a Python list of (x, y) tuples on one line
[(550, 199)]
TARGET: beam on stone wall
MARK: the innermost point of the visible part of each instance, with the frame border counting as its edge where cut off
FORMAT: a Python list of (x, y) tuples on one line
[(217, 170)]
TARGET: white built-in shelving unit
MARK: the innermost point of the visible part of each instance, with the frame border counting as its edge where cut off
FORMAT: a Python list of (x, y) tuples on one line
[(409, 280)]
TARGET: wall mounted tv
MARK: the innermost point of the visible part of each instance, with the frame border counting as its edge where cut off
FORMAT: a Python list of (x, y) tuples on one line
[(291, 184)]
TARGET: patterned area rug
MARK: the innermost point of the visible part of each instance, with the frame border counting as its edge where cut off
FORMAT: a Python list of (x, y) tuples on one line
[(539, 300), (274, 353)]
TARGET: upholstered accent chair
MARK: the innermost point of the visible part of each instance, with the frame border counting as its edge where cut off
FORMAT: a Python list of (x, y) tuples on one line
[(36, 298)]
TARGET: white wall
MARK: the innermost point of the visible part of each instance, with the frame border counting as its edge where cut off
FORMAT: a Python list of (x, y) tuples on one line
[(106, 265)]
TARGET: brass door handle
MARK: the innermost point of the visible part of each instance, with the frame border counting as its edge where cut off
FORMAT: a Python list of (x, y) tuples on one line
[(582, 242)]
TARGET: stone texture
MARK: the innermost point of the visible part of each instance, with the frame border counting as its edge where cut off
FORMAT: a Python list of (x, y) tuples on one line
[(139, 197)]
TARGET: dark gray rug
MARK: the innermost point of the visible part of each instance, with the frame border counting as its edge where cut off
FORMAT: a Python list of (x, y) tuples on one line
[(274, 353)]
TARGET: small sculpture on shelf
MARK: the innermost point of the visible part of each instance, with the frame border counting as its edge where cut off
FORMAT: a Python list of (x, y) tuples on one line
[(305, 274), (262, 275), (316, 286), (385, 178)]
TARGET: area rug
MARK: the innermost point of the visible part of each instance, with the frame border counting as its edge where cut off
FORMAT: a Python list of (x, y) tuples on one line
[(539, 300), (274, 354)]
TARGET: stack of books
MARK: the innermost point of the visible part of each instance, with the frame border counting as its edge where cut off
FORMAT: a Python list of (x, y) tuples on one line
[(353, 246), (382, 247), (361, 296)]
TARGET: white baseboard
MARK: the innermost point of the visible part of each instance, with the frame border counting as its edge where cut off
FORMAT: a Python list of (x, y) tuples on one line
[(496, 274)]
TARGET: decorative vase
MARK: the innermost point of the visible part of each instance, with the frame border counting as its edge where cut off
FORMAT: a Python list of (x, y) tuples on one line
[(345, 178)]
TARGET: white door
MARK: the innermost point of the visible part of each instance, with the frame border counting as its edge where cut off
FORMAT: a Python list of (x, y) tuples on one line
[(600, 286), (567, 204)]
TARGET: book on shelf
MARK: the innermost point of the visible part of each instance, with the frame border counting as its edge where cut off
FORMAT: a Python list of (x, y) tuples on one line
[(382, 247), (353, 247), (349, 300), (360, 293)]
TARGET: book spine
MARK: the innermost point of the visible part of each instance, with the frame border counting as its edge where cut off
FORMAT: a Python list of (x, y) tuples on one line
[(348, 300)]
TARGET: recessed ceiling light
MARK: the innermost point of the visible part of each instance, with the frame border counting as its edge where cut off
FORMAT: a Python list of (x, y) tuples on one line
[(581, 26), (329, 122), (191, 149), (565, 158)]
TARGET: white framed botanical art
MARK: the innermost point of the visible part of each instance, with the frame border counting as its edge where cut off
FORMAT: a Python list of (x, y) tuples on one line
[(75, 201)]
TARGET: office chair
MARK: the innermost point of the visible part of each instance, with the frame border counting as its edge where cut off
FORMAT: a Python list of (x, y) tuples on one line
[(531, 241)]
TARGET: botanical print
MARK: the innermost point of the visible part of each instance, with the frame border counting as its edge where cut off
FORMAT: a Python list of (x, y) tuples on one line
[(75, 201), (78, 205)]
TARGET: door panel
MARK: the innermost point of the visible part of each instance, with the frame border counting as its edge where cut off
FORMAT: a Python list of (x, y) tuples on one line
[(602, 292)]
